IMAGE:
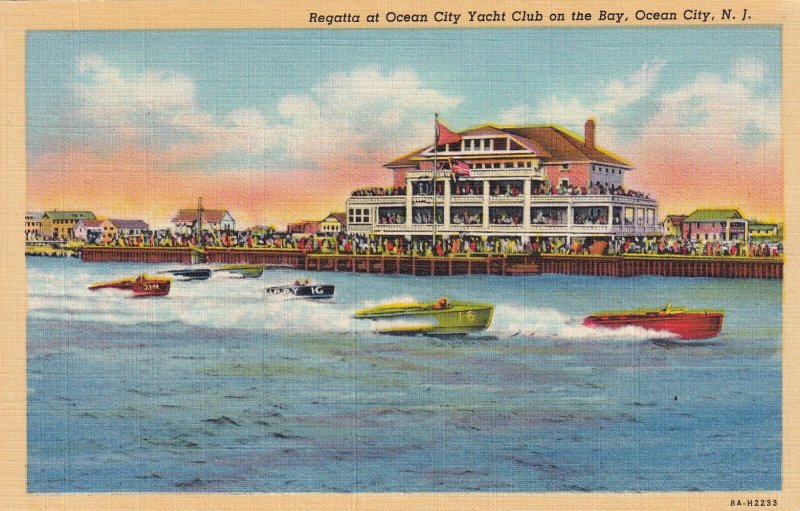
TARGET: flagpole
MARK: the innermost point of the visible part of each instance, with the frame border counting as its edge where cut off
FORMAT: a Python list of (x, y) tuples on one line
[(435, 165)]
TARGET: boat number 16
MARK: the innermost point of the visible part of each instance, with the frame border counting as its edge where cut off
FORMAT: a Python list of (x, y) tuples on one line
[(468, 316)]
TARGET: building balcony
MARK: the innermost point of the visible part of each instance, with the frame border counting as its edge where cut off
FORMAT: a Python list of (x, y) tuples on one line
[(385, 200)]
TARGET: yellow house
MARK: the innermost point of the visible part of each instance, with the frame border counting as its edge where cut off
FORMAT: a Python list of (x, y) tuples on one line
[(33, 225), (763, 232), (333, 224), (61, 224), (672, 226)]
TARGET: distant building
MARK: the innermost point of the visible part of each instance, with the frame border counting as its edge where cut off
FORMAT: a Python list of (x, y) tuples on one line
[(214, 220), (261, 230), (672, 226), (763, 232), (61, 224), (304, 228), (130, 227), (334, 223), (33, 225), (90, 231), (715, 225)]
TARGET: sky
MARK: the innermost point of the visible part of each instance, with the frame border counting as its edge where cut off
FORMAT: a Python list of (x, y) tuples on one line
[(281, 125)]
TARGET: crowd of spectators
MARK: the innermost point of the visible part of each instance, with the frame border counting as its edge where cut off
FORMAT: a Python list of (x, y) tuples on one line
[(359, 244), (377, 191)]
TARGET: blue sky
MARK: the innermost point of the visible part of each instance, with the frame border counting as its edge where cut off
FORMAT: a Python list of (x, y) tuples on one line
[(275, 99)]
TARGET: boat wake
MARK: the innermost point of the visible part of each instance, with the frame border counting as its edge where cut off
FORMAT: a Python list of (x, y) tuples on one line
[(552, 324)]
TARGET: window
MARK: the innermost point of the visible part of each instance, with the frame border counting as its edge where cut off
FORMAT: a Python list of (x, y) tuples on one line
[(563, 181), (500, 144)]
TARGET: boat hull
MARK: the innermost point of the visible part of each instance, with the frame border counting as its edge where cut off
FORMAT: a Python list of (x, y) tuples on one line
[(191, 274), (313, 292), (424, 318), (150, 287), (686, 325), (247, 271), (126, 283)]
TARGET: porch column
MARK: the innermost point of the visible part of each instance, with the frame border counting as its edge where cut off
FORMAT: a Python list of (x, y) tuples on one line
[(526, 204), (446, 223), (486, 205), (408, 205)]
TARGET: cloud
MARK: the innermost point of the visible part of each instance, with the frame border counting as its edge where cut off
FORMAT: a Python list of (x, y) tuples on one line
[(364, 114), (711, 107), (109, 98), (749, 70), (619, 94), (573, 111)]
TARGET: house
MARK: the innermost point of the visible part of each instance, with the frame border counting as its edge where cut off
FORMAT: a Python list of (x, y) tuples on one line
[(715, 225), (763, 232), (507, 182), (129, 227), (334, 224), (307, 227), (90, 231), (213, 220), (672, 226), (33, 225), (61, 224)]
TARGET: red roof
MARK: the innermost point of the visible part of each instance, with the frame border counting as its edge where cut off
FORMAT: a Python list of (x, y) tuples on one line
[(90, 223), (306, 227), (550, 143), (676, 219), (341, 217), (212, 216)]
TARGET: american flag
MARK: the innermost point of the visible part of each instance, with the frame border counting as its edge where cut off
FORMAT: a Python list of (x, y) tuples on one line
[(460, 168)]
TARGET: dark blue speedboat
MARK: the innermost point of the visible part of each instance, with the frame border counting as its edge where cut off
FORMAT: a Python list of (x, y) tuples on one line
[(302, 290), (190, 273)]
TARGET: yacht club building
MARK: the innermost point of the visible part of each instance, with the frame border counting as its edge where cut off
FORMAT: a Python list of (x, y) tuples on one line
[(521, 182)]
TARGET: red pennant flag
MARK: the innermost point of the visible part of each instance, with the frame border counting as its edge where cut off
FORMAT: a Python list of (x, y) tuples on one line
[(445, 136)]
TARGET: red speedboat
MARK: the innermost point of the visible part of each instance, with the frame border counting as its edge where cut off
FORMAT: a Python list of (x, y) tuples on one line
[(685, 323), (144, 285), (123, 283)]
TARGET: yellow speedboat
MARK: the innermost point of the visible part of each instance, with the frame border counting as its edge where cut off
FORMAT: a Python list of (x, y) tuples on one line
[(442, 317)]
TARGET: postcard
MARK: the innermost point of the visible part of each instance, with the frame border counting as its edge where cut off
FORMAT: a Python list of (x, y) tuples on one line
[(414, 256)]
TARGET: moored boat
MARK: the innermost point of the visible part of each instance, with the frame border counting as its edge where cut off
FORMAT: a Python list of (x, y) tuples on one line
[(190, 273), (245, 270), (302, 289), (686, 324), (442, 317), (145, 285)]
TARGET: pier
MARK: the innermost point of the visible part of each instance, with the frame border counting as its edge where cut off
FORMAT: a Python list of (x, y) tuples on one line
[(473, 264)]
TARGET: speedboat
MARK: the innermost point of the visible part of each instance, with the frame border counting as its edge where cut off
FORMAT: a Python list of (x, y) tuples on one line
[(302, 289), (442, 317), (685, 323), (145, 285), (190, 273), (123, 283), (142, 286), (244, 270)]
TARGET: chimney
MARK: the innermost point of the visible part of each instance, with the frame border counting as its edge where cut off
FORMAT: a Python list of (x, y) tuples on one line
[(588, 134)]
